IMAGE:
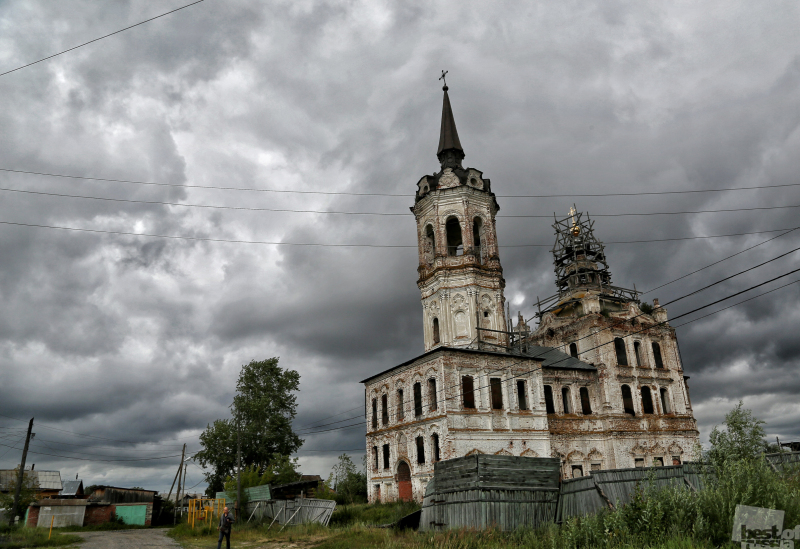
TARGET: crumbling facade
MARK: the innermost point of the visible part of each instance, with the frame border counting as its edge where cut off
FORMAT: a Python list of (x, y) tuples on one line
[(599, 383)]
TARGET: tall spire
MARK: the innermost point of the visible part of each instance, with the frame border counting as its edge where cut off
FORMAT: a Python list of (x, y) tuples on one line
[(450, 152)]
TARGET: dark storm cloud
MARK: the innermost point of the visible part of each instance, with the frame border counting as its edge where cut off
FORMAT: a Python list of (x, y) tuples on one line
[(140, 340)]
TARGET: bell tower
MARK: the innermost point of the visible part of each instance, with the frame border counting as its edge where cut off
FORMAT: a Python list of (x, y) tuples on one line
[(460, 277)]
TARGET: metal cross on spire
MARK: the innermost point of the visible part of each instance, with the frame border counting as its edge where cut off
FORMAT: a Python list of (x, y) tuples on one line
[(444, 73)]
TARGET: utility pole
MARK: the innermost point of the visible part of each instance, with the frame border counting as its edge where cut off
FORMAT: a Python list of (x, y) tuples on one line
[(21, 475), (239, 470), (178, 492), (183, 453)]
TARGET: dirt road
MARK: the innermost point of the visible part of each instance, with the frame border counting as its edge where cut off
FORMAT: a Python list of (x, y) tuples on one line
[(127, 539)]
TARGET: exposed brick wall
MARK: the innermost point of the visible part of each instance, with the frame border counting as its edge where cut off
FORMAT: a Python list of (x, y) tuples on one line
[(98, 514), (33, 516)]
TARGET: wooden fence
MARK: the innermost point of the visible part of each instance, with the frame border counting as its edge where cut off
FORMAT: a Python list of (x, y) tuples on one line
[(483, 490), (291, 511)]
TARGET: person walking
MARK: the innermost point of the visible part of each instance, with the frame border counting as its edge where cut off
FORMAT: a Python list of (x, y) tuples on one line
[(225, 522)]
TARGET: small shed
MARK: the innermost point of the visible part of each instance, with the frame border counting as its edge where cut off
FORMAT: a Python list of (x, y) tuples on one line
[(481, 491), (49, 482)]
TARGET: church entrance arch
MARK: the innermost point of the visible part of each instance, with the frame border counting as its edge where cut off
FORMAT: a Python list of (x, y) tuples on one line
[(404, 481)]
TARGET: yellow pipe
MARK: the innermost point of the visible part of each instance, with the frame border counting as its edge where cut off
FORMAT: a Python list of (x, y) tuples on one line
[(52, 518)]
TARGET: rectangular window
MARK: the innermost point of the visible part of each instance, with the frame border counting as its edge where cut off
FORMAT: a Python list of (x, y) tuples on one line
[(637, 350), (619, 348), (522, 395), (385, 456), (676, 460), (374, 413), (596, 466), (378, 493), (497, 393), (468, 392), (401, 411), (638, 462), (375, 455), (385, 409), (658, 462), (657, 355), (577, 471), (435, 444), (432, 404), (586, 405), (565, 400), (665, 407), (548, 400), (420, 450), (417, 399)]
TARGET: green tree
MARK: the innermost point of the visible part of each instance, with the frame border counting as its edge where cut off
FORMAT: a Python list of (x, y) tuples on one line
[(741, 439), (263, 409), (27, 494), (347, 481), (282, 470)]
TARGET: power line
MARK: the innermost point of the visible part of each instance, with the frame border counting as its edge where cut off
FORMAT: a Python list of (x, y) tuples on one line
[(45, 426), (333, 245), (720, 261), (393, 407), (106, 36), (735, 304), (403, 195), (628, 335), (100, 460), (380, 214)]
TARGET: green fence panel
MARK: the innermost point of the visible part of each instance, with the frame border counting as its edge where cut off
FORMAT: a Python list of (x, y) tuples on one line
[(132, 514)]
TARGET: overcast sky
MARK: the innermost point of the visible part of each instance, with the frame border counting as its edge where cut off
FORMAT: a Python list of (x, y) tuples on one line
[(138, 341)]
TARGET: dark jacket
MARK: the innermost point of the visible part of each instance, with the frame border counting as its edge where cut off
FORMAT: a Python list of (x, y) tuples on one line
[(225, 521)]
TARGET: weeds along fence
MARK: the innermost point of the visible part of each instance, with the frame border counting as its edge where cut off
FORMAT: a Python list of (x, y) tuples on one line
[(508, 492), (291, 511)]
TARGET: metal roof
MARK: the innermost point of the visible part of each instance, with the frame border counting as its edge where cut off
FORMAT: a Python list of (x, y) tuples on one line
[(549, 356), (47, 480), (71, 488), (553, 358)]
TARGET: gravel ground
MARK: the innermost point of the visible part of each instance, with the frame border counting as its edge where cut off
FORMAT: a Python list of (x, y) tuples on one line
[(127, 539)]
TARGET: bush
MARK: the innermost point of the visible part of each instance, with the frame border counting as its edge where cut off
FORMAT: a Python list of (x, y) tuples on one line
[(372, 514)]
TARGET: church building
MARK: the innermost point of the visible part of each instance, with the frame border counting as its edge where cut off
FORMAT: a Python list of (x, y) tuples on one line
[(599, 383)]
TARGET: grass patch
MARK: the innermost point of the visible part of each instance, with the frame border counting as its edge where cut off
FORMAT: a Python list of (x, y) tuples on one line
[(371, 514), (18, 538)]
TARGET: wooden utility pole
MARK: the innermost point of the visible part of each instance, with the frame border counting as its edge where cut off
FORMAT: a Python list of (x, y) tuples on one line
[(176, 473), (21, 475)]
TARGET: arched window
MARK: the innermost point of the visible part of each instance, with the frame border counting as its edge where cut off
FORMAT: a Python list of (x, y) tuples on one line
[(386, 456), (647, 401), (431, 236), (586, 406), (637, 351), (548, 400), (455, 246), (435, 446), (477, 239), (619, 347), (565, 401), (435, 330), (627, 400), (657, 355), (522, 394), (665, 405), (374, 413), (385, 409), (420, 450), (573, 349)]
